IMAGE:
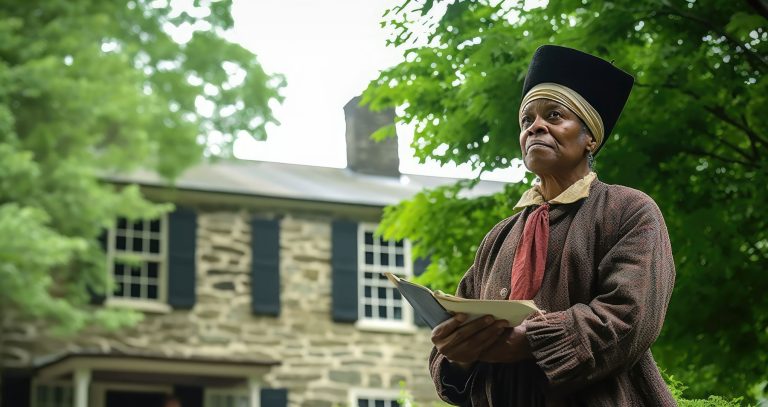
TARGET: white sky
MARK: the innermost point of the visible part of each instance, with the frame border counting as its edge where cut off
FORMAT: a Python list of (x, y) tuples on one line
[(328, 51)]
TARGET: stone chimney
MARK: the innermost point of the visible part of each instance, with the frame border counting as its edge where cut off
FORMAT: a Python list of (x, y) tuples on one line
[(365, 155)]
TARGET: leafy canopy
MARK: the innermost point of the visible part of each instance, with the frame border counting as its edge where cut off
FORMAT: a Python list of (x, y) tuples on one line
[(693, 136), (89, 87)]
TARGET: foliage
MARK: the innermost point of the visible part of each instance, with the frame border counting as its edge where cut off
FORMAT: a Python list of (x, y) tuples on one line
[(692, 136), (89, 87)]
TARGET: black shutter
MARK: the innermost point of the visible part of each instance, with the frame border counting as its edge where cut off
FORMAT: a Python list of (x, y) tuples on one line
[(182, 242), (344, 270), (265, 266), (16, 389), (189, 396), (419, 266), (274, 397), (97, 294)]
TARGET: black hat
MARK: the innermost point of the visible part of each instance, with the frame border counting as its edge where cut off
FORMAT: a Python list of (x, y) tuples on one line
[(603, 85)]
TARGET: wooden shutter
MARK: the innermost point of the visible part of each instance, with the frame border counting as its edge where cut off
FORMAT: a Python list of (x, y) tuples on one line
[(182, 243), (97, 295), (274, 397), (344, 271), (265, 266), (419, 266)]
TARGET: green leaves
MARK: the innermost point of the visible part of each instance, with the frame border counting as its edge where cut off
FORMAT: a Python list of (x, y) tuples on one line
[(89, 88), (692, 135)]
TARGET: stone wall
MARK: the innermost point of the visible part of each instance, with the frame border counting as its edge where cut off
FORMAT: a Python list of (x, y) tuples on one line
[(321, 360)]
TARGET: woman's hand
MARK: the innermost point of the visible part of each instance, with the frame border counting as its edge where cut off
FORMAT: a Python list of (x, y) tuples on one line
[(463, 344), (511, 347)]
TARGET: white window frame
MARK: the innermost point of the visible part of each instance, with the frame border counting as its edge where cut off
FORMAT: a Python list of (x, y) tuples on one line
[(366, 323), (159, 305), (209, 392), (34, 402), (356, 394)]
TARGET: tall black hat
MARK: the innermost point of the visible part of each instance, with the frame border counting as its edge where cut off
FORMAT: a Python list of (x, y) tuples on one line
[(603, 85)]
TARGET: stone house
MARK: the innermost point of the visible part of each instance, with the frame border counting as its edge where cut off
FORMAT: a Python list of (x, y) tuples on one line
[(262, 288)]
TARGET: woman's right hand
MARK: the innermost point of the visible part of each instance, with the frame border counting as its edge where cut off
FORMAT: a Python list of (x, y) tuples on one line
[(463, 344)]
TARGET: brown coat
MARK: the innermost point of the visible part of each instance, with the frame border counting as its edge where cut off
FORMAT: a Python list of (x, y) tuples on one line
[(607, 283)]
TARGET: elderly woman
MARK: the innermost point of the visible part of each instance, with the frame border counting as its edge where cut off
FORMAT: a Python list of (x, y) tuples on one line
[(595, 256)]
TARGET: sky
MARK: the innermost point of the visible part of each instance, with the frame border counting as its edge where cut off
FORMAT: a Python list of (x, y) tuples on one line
[(328, 51)]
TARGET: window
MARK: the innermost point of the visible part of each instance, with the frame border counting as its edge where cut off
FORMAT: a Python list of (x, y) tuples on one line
[(377, 402), (227, 398), (136, 258), (52, 395), (380, 303), (375, 398)]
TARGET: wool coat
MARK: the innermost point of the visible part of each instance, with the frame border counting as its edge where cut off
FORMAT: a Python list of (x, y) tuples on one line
[(607, 282)]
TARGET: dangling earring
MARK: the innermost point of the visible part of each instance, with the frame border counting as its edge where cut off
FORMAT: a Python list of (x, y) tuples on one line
[(590, 159)]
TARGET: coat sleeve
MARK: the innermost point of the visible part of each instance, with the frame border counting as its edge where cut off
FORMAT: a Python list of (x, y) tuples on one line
[(588, 342), (453, 385)]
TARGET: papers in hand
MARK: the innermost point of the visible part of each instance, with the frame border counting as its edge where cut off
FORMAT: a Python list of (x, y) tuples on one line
[(435, 307)]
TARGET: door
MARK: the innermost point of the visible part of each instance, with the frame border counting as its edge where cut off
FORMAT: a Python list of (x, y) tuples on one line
[(117, 398)]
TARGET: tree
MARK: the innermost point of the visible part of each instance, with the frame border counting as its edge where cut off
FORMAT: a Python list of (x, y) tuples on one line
[(89, 87), (693, 136)]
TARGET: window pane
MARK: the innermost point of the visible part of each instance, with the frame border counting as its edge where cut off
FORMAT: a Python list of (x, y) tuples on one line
[(398, 313), (381, 292), (119, 270), (368, 258), (154, 246), (135, 290), (368, 238), (367, 290), (383, 242), (368, 275), (152, 269), (379, 403), (382, 311), (399, 260), (120, 242), (396, 294), (399, 243), (138, 226), (121, 223), (154, 225), (136, 271), (152, 292), (138, 244), (362, 403), (384, 259), (368, 311), (119, 289)]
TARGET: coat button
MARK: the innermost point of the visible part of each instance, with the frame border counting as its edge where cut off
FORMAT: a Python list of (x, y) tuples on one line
[(504, 292)]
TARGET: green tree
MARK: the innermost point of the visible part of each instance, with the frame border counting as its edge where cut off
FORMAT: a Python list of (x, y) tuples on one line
[(693, 136), (88, 87)]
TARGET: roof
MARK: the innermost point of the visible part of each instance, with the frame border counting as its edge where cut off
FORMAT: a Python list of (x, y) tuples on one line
[(300, 182)]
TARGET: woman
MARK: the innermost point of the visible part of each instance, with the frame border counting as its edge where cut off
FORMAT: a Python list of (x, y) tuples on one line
[(595, 256)]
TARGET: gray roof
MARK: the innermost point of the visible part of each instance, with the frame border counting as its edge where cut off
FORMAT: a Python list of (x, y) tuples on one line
[(300, 182)]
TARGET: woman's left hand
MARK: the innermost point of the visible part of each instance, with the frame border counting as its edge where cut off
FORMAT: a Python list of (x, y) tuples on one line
[(511, 347)]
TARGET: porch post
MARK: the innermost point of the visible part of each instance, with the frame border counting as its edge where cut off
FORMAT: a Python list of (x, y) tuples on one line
[(254, 390), (82, 379)]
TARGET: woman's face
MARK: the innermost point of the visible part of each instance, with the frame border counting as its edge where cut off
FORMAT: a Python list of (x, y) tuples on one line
[(552, 139)]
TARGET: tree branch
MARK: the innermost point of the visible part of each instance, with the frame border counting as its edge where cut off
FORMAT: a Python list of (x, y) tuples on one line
[(704, 153), (760, 6), (733, 41), (720, 113)]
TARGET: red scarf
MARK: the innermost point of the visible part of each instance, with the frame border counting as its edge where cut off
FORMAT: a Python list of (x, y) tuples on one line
[(531, 256)]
